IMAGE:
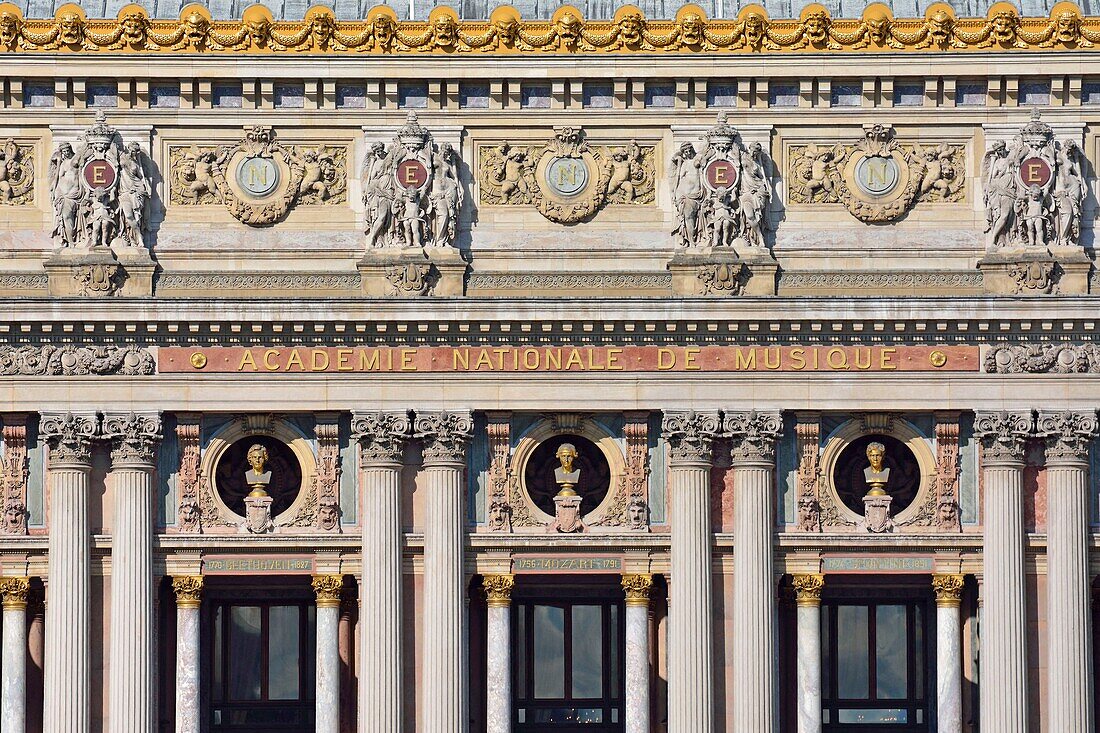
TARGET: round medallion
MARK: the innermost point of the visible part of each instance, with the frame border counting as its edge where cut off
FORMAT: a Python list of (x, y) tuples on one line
[(567, 176), (1035, 172), (411, 173), (720, 174), (198, 359), (937, 358), (99, 174), (257, 176), (283, 484), (877, 175)]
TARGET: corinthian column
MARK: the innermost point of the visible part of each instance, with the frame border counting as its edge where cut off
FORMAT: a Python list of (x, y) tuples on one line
[(444, 436), (753, 437), (328, 589), (1069, 621), (188, 590), (13, 686), (132, 699), (382, 437), (636, 665), (67, 682), (808, 597), (948, 590), (690, 436), (1004, 629), (498, 666)]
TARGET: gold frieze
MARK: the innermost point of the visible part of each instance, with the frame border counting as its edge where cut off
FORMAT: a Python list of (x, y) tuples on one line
[(567, 32)]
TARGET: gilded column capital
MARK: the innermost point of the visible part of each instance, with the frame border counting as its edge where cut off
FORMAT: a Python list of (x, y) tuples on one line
[(69, 436), (328, 589), (15, 590), (134, 436), (637, 587), (445, 435), (1067, 435), (1004, 435), (188, 590), (690, 435), (753, 435), (807, 589), (498, 589), (948, 588), (381, 435)]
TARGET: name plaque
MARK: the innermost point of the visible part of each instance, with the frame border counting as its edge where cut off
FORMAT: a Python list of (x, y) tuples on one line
[(256, 565), (566, 564), (469, 359), (856, 564)]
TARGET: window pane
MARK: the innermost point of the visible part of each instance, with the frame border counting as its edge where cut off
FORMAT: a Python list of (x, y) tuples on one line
[(826, 654), (891, 654), (615, 652), (918, 652), (587, 652), (852, 649), (521, 653), (244, 653), (219, 620), (549, 652), (284, 653)]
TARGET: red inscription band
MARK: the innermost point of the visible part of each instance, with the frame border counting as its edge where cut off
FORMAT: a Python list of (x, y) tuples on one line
[(99, 174), (1035, 172), (412, 173), (721, 174)]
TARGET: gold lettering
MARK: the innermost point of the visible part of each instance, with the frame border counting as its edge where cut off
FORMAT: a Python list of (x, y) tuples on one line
[(553, 359), (483, 359), (567, 174), (745, 363), (318, 364), (817, 365), (527, 363), (876, 172), (269, 360), (720, 172), (343, 360), (295, 358), (884, 359), (247, 359), (841, 363), (98, 172), (798, 359), (1034, 172), (666, 359), (574, 358), (862, 365), (257, 174), (411, 174), (462, 356), (770, 363), (613, 364), (500, 358), (689, 359), (407, 356), (592, 365), (368, 360)]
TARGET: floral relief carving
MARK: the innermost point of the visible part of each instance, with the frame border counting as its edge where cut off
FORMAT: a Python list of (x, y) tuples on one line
[(629, 507), (16, 174), (72, 360), (15, 474), (135, 437), (753, 435), (690, 435), (191, 485), (445, 435), (69, 436), (1068, 434), (326, 480), (501, 478), (1004, 435), (808, 433), (381, 436), (1043, 359)]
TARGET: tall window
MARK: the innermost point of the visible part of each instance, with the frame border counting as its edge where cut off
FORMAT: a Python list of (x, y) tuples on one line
[(874, 666), (262, 667), (568, 666)]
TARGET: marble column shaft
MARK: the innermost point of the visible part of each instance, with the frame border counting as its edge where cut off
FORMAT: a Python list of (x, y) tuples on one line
[(1004, 700), (690, 437), (1069, 617), (328, 589), (808, 597), (636, 663), (382, 437), (948, 590), (67, 683), (498, 666), (445, 436), (13, 685), (188, 590), (755, 654), (132, 703)]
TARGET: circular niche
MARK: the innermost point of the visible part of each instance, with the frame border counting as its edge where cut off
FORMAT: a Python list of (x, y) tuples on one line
[(595, 471), (851, 484), (286, 474)]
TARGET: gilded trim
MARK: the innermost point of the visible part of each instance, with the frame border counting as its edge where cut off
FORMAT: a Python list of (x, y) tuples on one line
[(567, 32), (14, 591), (948, 588), (328, 589), (188, 590), (637, 586), (498, 590), (807, 588)]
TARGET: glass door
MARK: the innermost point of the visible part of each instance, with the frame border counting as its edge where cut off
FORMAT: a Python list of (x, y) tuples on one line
[(568, 665)]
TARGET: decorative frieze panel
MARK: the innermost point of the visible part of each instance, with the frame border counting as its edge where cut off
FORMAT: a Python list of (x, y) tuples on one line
[(878, 179), (566, 32), (15, 473), (16, 174), (258, 180), (72, 360), (567, 179), (1043, 359)]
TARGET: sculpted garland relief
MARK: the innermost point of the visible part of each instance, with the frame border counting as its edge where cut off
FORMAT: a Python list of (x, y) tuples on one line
[(567, 179), (878, 179)]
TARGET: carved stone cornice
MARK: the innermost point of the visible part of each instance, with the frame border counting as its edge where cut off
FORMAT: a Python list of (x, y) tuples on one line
[(381, 435), (948, 589), (1067, 435), (690, 435), (14, 590), (135, 438), (498, 589), (1004, 435), (637, 587), (70, 437), (328, 589), (807, 588), (445, 435), (753, 435), (188, 590)]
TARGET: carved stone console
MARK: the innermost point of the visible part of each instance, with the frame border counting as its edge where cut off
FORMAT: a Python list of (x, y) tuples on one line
[(721, 273), (410, 273)]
